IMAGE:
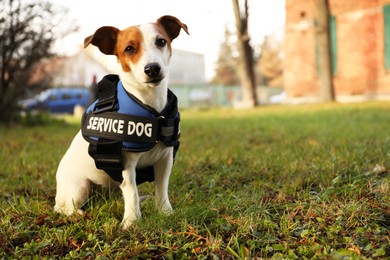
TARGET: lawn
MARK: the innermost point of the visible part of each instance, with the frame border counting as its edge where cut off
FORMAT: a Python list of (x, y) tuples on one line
[(273, 182)]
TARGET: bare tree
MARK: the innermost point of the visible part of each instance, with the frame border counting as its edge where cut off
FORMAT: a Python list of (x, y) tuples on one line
[(27, 34), (225, 71), (246, 62), (270, 64), (324, 50)]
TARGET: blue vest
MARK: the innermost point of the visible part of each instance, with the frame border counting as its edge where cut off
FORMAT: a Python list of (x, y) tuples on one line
[(130, 105), (118, 121)]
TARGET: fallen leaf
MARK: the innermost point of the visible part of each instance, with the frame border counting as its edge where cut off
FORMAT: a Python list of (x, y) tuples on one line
[(40, 221)]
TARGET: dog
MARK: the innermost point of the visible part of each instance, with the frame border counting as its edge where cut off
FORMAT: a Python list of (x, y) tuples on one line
[(144, 53)]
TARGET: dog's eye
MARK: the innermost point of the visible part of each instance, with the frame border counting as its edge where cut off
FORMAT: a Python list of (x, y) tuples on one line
[(161, 42), (130, 49)]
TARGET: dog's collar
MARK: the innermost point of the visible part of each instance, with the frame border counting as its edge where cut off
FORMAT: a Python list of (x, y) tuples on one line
[(119, 121)]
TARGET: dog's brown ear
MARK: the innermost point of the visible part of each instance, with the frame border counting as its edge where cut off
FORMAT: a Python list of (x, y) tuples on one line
[(172, 25), (104, 38)]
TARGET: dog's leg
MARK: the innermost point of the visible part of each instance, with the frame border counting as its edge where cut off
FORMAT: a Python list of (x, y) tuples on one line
[(130, 197), (162, 171), (72, 189), (71, 196), (73, 184)]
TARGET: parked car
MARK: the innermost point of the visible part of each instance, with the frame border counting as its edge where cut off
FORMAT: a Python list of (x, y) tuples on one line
[(278, 98), (57, 100)]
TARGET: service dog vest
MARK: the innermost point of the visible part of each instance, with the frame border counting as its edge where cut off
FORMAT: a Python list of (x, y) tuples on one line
[(118, 122)]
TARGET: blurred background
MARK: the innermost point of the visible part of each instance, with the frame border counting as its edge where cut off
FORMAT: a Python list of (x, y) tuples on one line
[(239, 53)]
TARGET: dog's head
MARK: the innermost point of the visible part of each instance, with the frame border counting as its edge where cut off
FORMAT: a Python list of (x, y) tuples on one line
[(143, 51)]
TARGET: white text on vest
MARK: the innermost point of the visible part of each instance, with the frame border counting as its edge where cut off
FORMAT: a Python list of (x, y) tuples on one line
[(110, 125)]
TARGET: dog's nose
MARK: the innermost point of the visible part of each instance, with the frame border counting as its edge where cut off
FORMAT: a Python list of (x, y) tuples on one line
[(152, 70)]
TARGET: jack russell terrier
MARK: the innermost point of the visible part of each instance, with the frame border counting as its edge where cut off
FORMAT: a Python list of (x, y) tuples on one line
[(131, 133)]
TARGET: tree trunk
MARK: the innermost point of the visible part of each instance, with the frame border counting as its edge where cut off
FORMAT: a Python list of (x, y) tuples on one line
[(246, 63), (324, 51)]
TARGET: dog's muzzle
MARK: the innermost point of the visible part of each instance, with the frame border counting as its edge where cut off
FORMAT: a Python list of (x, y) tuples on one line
[(152, 70)]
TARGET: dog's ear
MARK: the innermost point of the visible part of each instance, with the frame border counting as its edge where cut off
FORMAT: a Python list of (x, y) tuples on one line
[(104, 38), (172, 25)]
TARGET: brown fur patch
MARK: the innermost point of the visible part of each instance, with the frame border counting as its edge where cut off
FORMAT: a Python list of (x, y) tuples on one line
[(161, 30), (130, 36)]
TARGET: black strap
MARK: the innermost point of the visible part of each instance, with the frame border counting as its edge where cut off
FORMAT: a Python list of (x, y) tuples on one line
[(105, 152), (107, 93), (169, 130), (128, 128), (121, 127), (170, 122), (107, 156)]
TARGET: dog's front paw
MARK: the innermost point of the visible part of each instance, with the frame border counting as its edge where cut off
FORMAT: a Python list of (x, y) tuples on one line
[(166, 208), (68, 210), (126, 223)]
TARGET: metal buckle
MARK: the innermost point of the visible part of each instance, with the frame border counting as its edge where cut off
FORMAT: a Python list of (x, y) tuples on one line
[(104, 105)]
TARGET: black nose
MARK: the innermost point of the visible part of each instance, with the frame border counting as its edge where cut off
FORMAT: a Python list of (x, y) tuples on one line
[(152, 70)]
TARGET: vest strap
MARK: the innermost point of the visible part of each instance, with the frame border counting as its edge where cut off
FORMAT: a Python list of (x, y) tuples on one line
[(107, 93), (129, 128), (107, 156), (121, 127), (169, 129)]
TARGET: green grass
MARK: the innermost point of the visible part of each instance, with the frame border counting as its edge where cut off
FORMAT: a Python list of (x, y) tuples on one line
[(273, 182)]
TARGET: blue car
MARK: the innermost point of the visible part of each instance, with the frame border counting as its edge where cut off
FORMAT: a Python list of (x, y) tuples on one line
[(57, 100)]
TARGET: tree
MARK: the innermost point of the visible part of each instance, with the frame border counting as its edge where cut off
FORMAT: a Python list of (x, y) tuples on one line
[(225, 71), (27, 34), (324, 50), (245, 59), (270, 63)]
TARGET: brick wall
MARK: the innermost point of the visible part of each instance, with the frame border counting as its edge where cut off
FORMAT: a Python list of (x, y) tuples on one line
[(360, 48), (300, 64)]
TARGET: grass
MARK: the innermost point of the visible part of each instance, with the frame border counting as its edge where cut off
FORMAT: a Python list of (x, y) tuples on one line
[(272, 182)]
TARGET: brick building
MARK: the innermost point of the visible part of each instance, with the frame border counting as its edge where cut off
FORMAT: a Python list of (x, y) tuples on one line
[(360, 48)]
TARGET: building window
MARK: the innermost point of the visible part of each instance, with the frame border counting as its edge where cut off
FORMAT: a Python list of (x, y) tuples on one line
[(386, 19), (333, 43)]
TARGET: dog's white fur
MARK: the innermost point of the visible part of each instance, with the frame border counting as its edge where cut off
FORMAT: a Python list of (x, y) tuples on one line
[(77, 171)]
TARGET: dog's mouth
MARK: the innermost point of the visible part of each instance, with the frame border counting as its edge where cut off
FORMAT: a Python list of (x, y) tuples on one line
[(155, 80)]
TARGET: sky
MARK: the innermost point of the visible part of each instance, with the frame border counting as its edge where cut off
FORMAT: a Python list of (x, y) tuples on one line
[(206, 21)]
